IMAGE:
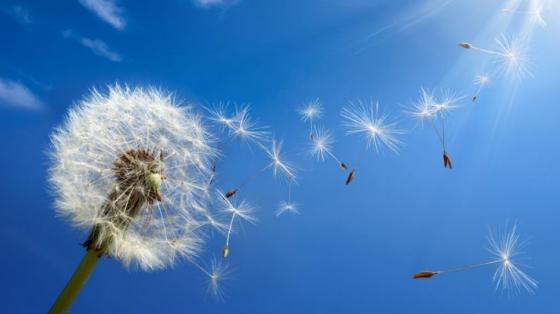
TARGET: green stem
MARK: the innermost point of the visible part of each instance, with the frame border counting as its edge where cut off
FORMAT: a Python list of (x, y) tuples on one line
[(81, 274)]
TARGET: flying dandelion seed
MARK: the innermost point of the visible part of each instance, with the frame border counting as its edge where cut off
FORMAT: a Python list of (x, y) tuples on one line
[(505, 249), (287, 207), (277, 163), (241, 209), (310, 112), (132, 167), (375, 127), (430, 108), (219, 271), (240, 124), (321, 146), (511, 58), (247, 128), (535, 14), (350, 177), (219, 115), (481, 80)]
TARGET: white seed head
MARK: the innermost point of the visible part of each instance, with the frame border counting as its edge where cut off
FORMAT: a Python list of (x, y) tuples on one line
[(311, 111), (132, 166), (504, 245), (364, 118)]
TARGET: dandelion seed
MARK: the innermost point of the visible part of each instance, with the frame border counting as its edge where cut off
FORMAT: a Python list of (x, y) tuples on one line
[(508, 276), (219, 272), (447, 160), (240, 209), (311, 111), (240, 124), (482, 80), (431, 108), (535, 14), (511, 58), (219, 115), (231, 193), (423, 110), (424, 274), (350, 176), (287, 207), (225, 251), (377, 129), (321, 146), (119, 168), (246, 128), (277, 163)]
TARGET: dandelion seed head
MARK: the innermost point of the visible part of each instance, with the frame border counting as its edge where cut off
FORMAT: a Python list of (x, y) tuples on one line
[(504, 245), (311, 111), (512, 59), (120, 165), (377, 128)]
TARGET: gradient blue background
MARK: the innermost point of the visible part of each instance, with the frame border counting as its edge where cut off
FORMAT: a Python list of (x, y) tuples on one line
[(353, 249)]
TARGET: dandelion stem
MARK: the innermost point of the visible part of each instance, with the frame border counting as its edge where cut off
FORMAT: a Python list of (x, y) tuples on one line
[(229, 229), (81, 274), (440, 137), (492, 52), (468, 267)]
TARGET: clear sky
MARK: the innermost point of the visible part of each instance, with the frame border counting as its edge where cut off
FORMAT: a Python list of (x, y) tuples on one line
[(354, 248)]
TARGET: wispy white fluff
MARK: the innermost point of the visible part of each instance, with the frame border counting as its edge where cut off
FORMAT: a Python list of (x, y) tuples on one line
[(97, 132), (96, 46), (377, 128), (108, 11), (214, 3), (18, 95)]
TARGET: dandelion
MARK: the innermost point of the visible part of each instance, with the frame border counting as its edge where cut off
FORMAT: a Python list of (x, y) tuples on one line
[(377, 128), (505, 249), (241, 209), (431, 108), (321, 146), (481, 80), (511, 58), (131, 166)]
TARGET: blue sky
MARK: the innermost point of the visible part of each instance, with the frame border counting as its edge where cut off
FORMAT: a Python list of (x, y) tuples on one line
[(353, 248)]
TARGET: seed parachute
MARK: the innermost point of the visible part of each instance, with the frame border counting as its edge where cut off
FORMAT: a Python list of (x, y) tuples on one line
[(504, 247), (434, 110)]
